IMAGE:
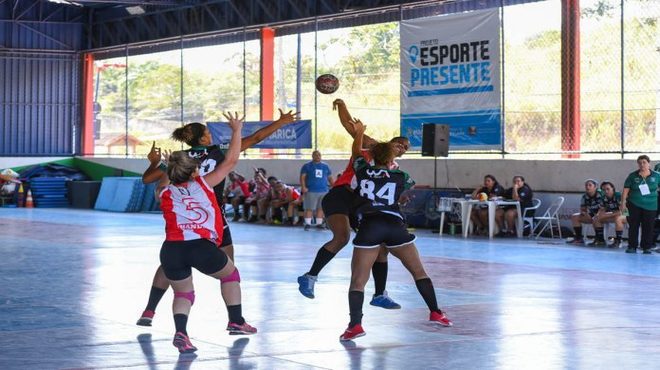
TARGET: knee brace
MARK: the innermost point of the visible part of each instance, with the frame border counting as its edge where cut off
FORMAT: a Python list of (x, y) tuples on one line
[(234, 276), (186, 295)]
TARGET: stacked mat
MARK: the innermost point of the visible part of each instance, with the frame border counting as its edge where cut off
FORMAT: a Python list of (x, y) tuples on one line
[(49, 192), (125, 194)]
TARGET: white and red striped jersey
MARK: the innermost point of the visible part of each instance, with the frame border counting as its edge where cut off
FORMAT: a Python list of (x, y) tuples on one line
[(191, 212)]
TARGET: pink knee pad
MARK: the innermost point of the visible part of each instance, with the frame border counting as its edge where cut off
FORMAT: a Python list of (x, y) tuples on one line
[(186, 295), (234, 276)]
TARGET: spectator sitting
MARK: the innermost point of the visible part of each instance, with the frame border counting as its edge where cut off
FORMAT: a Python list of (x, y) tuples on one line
[(283, 195), (315, 181), (492, 189), (261, 191), (610, 212), (236, 193), (521, 192), (591, 203)]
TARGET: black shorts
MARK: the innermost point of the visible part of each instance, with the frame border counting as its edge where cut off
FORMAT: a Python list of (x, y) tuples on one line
[(226, 233), (339, 200), (380, 228), (178, 258)]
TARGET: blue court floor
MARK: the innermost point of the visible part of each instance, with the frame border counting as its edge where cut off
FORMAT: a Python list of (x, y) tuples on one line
[(74, 283)]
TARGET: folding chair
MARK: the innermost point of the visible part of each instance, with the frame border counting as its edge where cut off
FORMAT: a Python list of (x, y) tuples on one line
[(550, 216), (528, 215)]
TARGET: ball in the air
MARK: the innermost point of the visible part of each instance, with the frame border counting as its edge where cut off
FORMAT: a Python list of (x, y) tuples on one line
[(483, 197), (327, 84)]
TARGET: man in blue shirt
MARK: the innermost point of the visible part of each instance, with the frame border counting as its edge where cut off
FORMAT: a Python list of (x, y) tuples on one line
[(315, 181)]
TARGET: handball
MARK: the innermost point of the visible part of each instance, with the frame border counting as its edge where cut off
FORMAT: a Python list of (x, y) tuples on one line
[(327, 84), (483, 197)]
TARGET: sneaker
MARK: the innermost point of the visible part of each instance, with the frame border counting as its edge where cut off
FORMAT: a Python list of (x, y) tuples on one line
[(253, 219), (236, 329), (438, 317), (647, 251), (182, 343), (616, 244), (235, 218), (384, 301), (576, 241), (597, 243), (501, 234), (631, 250), (307, 226), (147, 317), (306, 285), (351, 333)]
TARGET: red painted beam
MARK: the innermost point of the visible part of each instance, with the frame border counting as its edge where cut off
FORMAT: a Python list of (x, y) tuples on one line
[(267, 73), (570, 77), (88, 105)]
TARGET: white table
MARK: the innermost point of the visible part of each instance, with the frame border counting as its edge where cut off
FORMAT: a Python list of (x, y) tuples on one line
[(466, 211)]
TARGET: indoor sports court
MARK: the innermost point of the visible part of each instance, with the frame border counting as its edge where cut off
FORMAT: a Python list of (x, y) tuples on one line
[(506, 152)]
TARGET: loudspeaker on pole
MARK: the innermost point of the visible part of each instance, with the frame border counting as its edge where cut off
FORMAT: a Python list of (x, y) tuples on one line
[(435, 140)]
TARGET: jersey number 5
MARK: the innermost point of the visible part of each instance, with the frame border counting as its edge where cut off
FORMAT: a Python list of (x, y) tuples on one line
[(386, 192)]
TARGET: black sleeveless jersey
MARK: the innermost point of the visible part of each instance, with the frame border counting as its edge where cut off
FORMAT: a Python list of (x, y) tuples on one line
[(612, 204), (592, 204), (209, 157), (380, 188)]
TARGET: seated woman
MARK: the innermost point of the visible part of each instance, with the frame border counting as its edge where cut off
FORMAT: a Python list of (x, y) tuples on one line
[(610, 212), (592, 201), (261, 191), (381, 226), (236, 193), (521, 192), (492, 189), (285, 196)]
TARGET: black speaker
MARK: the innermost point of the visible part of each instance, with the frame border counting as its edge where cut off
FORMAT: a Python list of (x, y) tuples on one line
[(435, 140)]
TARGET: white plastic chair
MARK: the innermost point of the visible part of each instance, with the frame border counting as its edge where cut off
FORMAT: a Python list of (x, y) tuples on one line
[(549, 218), (444, 205), (528, 216)]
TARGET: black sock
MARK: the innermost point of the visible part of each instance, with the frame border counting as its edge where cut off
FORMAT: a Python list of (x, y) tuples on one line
[(425, 288), (599, 233), (236, 314), (379, 272), (322, 258), (619, 234), (578, 232), (154, 297), (355, 301), (180, 322)]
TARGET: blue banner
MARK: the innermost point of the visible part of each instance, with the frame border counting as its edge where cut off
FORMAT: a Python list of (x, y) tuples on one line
[(296, 135), (467, 130)]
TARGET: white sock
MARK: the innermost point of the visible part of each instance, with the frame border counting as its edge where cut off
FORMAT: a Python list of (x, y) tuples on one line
[(308, 220), (319, 222)]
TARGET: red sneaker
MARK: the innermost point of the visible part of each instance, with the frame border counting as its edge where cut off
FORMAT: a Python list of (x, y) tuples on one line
[(351, 333), (438, 317), (146, 318), (182, 343), (236, 329)]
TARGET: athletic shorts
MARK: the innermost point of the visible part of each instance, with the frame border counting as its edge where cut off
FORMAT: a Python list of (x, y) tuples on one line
[(312, 201), (226, 233), (339, 200), (179, 257), (380, 228)]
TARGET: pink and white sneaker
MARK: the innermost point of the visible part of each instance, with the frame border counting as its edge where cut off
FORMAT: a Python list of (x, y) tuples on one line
[(244, 329)]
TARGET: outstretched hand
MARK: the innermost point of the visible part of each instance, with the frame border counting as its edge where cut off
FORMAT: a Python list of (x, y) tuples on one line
[(234, 122), (154, 154), (337, 103), (358, 125), (288, 117)]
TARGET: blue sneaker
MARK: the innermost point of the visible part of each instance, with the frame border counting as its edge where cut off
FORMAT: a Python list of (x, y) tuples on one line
[(306, 285), (384, 301)]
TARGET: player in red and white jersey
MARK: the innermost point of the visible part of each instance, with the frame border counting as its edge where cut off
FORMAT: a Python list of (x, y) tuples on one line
[(338, 206), (193, 229), (202, 149)]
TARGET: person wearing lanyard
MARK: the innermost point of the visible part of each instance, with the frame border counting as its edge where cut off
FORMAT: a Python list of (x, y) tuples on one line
[(640, 202)]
